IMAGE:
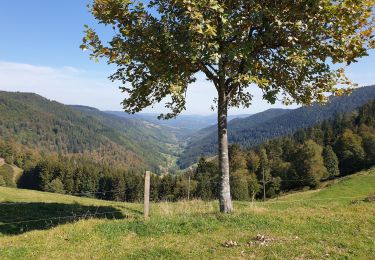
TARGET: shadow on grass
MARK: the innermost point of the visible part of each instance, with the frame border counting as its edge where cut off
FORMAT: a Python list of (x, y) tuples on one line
[(18, 218), (132, 210)]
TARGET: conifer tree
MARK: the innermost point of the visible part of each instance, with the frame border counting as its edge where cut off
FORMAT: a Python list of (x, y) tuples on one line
[(331, 162)]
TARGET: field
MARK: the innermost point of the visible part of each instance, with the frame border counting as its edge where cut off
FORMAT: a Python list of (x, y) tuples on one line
[(337, 221)]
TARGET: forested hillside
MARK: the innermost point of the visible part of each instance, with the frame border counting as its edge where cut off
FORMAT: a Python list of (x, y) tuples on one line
[(256, 129), (29, 120), (334, 148)]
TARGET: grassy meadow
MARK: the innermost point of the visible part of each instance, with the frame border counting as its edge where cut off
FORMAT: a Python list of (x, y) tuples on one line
[(335, 222)]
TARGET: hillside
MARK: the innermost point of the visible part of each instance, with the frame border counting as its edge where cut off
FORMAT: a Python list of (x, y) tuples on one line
[(153, 138), (48, 126), (258, 128), (334, 222)]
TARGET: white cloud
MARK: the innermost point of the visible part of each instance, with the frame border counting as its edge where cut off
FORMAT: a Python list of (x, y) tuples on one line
[(70, 85)]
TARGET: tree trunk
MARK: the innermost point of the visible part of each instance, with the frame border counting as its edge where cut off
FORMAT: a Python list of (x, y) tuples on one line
[(225, 199)]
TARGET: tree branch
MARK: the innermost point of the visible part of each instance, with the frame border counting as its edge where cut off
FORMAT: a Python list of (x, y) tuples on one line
[(208, 73)]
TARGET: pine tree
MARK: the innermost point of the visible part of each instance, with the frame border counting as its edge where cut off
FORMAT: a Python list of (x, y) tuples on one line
[(253, 161), (331, 162)]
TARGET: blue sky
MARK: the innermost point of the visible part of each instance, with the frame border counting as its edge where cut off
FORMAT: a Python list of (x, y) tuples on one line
[(39, 52)]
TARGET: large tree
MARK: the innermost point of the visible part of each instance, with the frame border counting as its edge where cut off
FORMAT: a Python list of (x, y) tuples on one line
[(349, 150), (286, 48), (309, 164)]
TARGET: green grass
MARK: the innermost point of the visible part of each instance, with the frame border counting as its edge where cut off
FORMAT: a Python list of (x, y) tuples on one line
[(333, 222)]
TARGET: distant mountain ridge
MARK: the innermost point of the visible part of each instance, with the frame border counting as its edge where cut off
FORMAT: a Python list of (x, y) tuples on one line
[(36, 122), (191, 123), (272, 123)]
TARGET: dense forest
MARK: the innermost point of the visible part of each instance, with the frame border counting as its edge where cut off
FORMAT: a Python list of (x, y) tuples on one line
[(258, 128), (50, 127), (336, 147)]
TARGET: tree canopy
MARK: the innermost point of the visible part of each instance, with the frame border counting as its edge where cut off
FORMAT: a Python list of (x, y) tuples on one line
[(284, 47)]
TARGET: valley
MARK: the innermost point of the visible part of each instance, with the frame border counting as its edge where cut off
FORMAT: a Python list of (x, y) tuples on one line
[(143, 141)]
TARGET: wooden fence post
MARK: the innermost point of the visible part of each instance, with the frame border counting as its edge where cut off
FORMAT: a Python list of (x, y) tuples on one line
[(147, 196)]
